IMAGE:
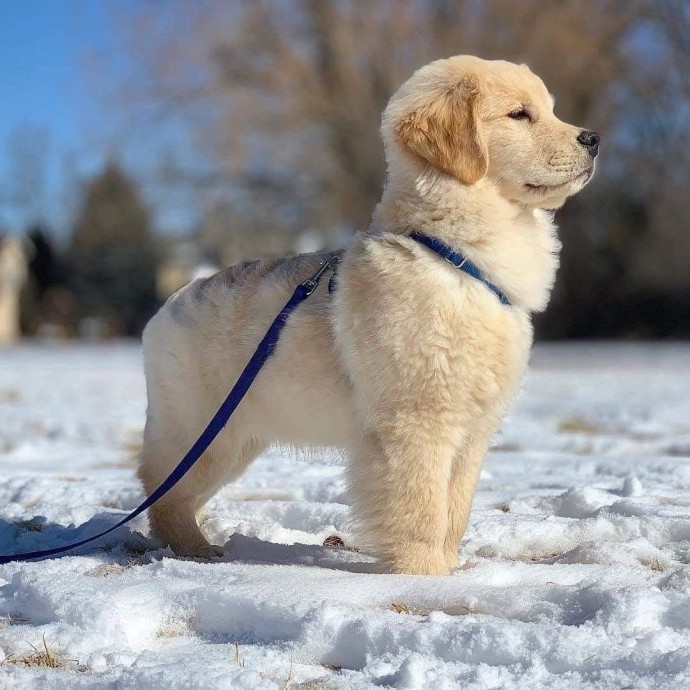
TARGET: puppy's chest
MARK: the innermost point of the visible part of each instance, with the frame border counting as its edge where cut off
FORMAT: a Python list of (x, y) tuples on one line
[(461, 348), (473, 340), (429, 330)]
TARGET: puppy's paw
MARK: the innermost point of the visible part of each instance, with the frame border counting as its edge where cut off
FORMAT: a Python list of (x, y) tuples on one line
[(203, 551), (418, 559), (452, 559)]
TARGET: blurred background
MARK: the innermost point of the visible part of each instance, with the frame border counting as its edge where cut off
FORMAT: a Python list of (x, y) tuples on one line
[(145, 142)]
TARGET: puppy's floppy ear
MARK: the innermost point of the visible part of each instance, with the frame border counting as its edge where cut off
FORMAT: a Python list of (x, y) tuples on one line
[(446, 132)]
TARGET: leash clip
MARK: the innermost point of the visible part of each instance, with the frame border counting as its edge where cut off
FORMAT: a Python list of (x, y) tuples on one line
[(312, 283)]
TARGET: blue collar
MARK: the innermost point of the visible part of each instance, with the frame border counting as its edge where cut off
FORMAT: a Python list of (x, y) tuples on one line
[(459, 261)]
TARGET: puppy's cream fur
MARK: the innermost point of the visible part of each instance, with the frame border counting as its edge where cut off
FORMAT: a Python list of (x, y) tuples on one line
[(409, 366)]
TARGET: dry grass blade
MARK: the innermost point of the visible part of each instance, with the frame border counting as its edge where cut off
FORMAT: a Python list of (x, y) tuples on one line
[(12, 620), (400, 608), (39, 657), (575, 425), (238, 659)]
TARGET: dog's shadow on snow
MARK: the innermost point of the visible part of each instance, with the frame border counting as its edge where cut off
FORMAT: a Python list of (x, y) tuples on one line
[(252, 550), (39, 534)]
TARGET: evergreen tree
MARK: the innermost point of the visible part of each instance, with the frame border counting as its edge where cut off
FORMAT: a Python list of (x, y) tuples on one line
[(112, 254)]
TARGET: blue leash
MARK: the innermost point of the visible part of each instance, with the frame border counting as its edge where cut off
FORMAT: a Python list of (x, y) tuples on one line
[(265, 349)]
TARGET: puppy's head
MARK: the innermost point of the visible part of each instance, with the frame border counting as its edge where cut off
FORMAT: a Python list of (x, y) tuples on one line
[(475, 119)]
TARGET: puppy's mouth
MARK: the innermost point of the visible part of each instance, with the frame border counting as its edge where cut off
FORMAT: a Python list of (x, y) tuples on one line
[(582, 178)]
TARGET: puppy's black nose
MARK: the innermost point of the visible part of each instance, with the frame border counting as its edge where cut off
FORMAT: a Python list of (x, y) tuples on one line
[(590, 140)]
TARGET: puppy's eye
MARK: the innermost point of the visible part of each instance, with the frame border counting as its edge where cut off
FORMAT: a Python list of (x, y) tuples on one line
[(519, 114)]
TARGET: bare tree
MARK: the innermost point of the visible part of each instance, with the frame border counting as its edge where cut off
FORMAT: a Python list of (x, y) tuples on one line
[(282, 102), (285, 97)]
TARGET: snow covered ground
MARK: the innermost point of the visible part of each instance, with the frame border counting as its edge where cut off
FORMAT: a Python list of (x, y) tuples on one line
[(575, 569)]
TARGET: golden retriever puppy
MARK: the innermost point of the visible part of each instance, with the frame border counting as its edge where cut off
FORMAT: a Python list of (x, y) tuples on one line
[(409, 365)]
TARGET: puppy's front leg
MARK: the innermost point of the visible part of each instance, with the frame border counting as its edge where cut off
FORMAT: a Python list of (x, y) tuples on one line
[(399, 479), (467, 467)]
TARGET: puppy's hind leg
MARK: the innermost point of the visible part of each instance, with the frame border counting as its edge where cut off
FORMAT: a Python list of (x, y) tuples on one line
[(174, 518), (178, 410)]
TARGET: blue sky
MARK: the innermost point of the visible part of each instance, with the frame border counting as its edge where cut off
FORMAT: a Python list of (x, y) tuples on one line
[(43, 46)]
